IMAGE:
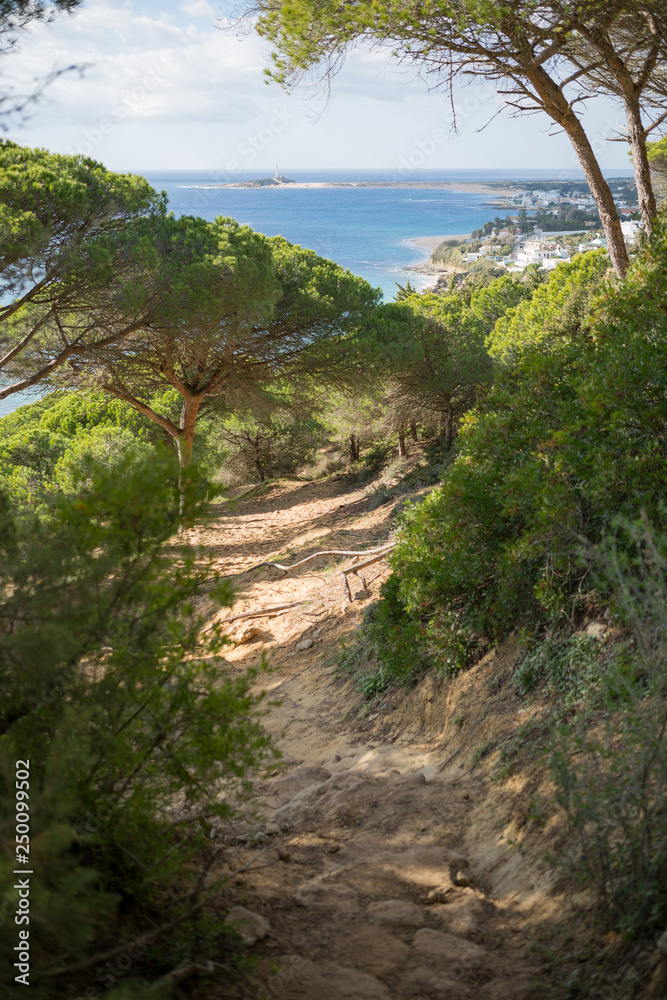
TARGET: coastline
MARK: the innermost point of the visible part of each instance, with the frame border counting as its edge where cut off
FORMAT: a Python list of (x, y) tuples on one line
[(430, 273), (433, 242), (466, 187)]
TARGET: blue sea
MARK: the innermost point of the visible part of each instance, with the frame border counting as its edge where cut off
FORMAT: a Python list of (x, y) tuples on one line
[(367, 230)]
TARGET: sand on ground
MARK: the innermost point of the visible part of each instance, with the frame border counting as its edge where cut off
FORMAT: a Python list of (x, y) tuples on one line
[(382, 869), (433, 242)]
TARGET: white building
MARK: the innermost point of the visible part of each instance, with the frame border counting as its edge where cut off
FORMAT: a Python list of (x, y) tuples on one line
[(537, 252), (551, 265), (630, 230), (597, 244)]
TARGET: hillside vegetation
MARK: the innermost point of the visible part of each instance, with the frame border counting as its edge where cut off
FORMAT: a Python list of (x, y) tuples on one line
[(216, 357), (552, 513)]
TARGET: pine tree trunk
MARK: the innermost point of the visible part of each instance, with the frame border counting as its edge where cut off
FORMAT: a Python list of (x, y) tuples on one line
[(558, 108), (354, 448), (449, 428), (402, 451), (186, 438), (413, 431), (637, 137), (184, 449), (630, 92), (184, 443)]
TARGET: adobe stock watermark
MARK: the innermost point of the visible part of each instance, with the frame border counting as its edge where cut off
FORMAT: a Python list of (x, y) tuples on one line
[(244, 155), (598, 145), (109, 973), (425, 147), (127, 105)]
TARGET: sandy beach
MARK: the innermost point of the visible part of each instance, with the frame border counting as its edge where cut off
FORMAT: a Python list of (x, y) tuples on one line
[(432, 242)]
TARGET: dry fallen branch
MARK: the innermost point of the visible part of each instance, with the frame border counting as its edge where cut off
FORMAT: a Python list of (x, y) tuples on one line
[(369, 562), (380, 552), (362, 565), (184, 971), (273, 609)]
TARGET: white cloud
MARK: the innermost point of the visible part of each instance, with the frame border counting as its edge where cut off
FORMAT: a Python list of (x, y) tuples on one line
[(198, 8), (168, 89), (144, 67)]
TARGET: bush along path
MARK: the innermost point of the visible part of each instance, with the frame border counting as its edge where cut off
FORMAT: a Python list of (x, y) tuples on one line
[(389, 864)]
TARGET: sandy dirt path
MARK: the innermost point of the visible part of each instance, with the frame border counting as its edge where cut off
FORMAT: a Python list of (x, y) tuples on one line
[(384, 874)]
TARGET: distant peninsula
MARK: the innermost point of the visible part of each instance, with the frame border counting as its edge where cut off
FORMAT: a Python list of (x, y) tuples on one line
[(501, 188), (503, 192), (261, 182)]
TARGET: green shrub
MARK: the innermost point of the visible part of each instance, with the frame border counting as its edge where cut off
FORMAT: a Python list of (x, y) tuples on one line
[(136, 735), (113, 449), (375, 456), (379, 495), (610, 770), (69, 413), (392, 642), (558, 308), (45, 445), (566, 441), (569, 668)]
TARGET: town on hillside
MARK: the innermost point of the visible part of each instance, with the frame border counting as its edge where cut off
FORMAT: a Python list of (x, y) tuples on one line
[(549, 228), (512, 250)]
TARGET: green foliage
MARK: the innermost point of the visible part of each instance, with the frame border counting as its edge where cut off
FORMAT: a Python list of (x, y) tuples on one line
[(70, 413), (488, 303), (393, 642), (379, 495), (361, 414), (46, 447), (131, 724), (567, 218), (657, 151), (568, 667), (565, 442), (432, 348), (269, 445), (657, 157), (76, 258), (450, 253), (611, 771), (114, 449), (234, 315), (555, 310), (405, 291)]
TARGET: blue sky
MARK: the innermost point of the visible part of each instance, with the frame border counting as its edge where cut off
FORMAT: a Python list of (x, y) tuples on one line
[(165, 88)]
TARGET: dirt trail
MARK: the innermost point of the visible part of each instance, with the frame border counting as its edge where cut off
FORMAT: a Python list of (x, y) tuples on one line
[(386, 871)]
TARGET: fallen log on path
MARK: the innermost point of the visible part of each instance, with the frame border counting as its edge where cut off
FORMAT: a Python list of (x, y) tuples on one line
[(374, 555), (379, 553)]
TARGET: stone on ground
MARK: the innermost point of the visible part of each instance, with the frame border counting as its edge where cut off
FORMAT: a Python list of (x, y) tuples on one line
[(251, 926)]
